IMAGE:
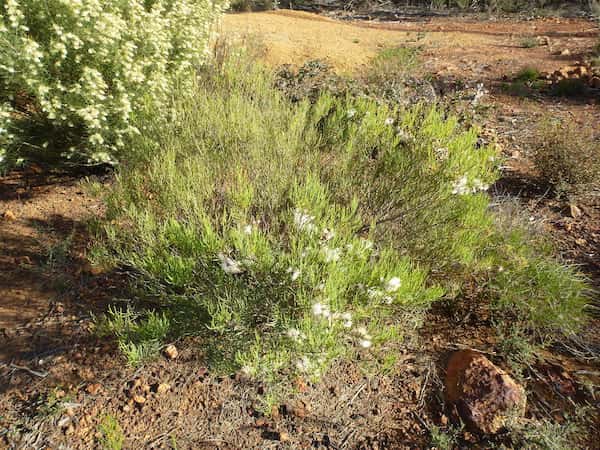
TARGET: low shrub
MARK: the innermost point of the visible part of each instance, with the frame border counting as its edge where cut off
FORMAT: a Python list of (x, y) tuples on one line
[(140, 336), (253, 5), (567, 156), (529, 42), (291, 234), (112, 437), (537, 300), (570, 87), (528, 74), (307, 229), (74, 74), (393, 64)]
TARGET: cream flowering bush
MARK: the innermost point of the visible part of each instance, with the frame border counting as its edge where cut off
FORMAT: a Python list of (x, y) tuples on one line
[(85, 68)]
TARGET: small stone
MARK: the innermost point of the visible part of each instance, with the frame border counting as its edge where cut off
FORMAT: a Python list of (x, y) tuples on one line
[(485, 396), (581, 241), (162, 388), (284, 437), (565, 52), (543, 40), (171, 351), (261, 422), (139, 399), (9, 215), (575, 211), (93, 388)]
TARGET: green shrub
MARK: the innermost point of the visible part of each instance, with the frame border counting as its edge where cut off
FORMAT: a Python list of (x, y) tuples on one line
[(112, 434), (465, 4), (393, 64), (567, 156), (570, 87), (139, 336), (528, 74), (293, 234), (73, 74), (536, 298), (529, 42), (253, 5)]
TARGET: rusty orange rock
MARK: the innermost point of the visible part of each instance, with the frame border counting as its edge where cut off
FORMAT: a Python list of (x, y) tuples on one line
[(485, 395)]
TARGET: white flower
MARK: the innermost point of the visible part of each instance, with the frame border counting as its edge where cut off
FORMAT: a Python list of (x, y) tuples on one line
[(460, 187), (347, 318), (248, 370), (248, 229), (317, 309), (478, 185), (327, 234), (295, 274), (389, 121), (351, 113), (304, 221), (303, 364), (230, 265), (321, 309), (363, 332), (374, 293), (295, 334), (365, 343), (393, 284), (331, 254)]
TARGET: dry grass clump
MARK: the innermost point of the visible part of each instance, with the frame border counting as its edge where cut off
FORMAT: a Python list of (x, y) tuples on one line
[(567, 156)]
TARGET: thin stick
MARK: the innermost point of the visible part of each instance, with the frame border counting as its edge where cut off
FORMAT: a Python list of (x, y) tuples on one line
[(30, 371)]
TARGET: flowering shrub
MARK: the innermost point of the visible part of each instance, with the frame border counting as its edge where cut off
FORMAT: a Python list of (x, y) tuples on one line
[(285, 251), (289, 235), (85, 68)]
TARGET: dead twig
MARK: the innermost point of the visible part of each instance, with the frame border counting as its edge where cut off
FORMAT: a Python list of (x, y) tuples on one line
[(26, 369)]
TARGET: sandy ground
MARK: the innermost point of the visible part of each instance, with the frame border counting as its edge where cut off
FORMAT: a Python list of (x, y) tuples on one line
[(458, 46)]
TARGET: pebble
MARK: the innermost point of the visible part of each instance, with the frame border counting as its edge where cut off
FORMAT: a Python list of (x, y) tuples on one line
[(171, 351), (9, 215)]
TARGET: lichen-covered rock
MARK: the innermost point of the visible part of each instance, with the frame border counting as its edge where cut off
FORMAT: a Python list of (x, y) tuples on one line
[(485, 396)]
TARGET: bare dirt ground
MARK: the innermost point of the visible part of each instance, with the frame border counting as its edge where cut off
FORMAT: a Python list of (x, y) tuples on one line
[(460, 46), (58, 381)]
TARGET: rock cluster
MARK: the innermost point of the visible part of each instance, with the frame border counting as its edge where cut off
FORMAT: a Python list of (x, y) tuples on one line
[(577, 71)]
